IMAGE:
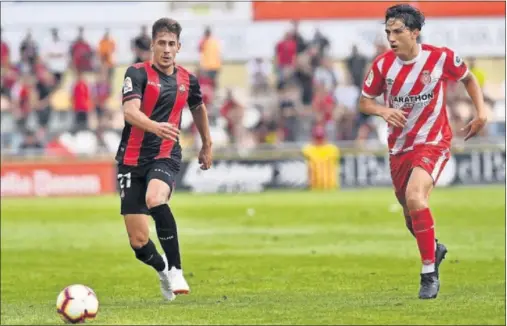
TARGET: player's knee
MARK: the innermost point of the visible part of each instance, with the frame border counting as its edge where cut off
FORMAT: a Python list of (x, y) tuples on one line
[(138, 239), (155, 199), (416, 199)]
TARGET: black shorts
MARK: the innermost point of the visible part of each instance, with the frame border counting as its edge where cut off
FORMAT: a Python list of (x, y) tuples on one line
[(133, 183)]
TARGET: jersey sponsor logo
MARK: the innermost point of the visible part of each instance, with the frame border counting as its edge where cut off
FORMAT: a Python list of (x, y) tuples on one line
[(152, 83), (127, 85), (369, 79), (410, 101)]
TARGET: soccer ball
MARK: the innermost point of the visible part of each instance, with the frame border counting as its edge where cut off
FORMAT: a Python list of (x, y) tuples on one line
[(76, 304)]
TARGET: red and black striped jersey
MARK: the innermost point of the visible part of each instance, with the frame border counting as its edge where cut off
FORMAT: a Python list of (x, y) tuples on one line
[(163, 98)]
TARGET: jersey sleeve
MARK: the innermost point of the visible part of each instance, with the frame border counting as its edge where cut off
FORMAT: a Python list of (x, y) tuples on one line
[(133, 84), (455, 68), (194, 96), (373, 85)]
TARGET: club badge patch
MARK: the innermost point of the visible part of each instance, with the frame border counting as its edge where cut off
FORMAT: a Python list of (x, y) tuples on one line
[(182, 88), (426, 77)]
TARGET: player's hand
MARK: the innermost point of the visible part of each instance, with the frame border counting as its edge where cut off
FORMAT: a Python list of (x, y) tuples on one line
[(394, 117), (474, 126), (167, 130), (205, 157)]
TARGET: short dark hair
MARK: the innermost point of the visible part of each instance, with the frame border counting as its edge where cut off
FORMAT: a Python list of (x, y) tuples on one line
[(412, 17), (166, 25)]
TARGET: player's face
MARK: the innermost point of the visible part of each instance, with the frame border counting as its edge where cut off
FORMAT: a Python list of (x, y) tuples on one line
[(164, 47), (401, 39)]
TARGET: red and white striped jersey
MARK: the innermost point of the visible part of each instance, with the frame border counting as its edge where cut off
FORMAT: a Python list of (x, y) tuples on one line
[(418, 87)]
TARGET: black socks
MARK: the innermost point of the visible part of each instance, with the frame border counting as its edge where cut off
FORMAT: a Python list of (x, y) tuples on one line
[(167, 234), (149, 255)]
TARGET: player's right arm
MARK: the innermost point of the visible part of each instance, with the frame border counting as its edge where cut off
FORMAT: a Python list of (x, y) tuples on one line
[(373, 87), (133, 86)]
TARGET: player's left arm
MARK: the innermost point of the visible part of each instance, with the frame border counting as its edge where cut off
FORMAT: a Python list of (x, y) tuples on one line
[(456, 69), (200, 116)]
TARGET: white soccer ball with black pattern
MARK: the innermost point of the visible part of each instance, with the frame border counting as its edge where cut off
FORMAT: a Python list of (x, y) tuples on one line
[(76, 304)]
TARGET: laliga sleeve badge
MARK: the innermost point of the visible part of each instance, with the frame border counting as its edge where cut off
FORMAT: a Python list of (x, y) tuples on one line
[(369, 79), (127, 85), (457, 60)]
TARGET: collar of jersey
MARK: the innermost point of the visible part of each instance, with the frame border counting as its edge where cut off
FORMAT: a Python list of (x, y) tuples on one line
[(413, 60)]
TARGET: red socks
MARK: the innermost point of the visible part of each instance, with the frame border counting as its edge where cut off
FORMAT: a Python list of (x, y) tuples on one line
[(423, 225)]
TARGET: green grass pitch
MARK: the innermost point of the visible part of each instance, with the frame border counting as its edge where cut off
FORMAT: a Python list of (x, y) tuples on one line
[(269, 258)]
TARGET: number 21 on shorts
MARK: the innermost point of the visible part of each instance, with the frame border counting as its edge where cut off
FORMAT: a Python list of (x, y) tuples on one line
[(124, 180)]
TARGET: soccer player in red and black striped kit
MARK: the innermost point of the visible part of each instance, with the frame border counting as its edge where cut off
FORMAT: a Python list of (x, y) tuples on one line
[(149, 154)]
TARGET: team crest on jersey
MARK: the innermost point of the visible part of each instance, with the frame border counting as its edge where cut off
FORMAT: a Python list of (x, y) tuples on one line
[(127, 85), (425, 77), (182, 88)]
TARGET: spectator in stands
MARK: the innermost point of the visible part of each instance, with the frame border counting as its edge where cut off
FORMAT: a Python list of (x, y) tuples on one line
[(82, 53), (141, 45), (210, 62), (324, 107), (106, 49), (300, 41), (285, 59), (326, 75), (9, 77), (45, 88), (56, 56), (304, 74), (24, 99), (356, 66), (347, 98), (4, 50), (81, 102), (28, 52), (321, 42), (289, 112), (207, 91), (258, 73), (233, 112), (100, 93)]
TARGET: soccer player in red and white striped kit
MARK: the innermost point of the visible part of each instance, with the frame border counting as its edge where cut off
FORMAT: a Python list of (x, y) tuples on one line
[(413, 79)]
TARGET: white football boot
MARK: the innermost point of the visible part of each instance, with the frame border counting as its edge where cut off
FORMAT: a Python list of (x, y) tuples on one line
[(178, 283), (165, 283)]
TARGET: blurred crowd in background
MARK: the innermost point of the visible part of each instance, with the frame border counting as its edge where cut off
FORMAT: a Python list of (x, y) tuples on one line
[(64, 94)]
